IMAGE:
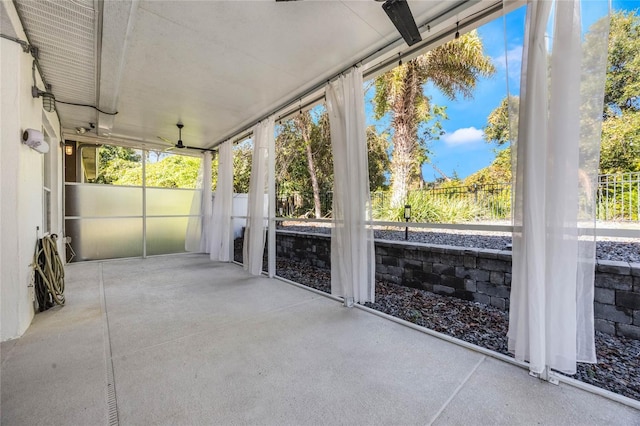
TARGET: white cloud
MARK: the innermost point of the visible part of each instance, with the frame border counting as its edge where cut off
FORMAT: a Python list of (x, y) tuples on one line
[(513, 58), (464, 136)]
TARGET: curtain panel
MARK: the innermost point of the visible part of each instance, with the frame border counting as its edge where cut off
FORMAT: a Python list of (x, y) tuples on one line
[(352, 249), (220, 240), (551, 321), (254, 235), (197, 235)]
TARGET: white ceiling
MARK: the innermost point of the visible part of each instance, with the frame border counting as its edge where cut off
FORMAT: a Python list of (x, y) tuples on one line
[(217, 66)]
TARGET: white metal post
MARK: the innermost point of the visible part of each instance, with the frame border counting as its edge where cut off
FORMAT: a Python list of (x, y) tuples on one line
[(232, 250), (271, 181), (144, 204)]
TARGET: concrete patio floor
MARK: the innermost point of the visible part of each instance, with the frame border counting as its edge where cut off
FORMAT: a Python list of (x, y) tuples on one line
[(190, 342)]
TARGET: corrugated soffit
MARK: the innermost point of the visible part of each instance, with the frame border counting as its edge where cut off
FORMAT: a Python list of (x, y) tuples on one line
[(6, 27), (65, 33)]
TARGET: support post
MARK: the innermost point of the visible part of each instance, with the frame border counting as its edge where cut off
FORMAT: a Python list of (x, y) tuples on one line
[(271, 182), (547, 375), (144, 204)]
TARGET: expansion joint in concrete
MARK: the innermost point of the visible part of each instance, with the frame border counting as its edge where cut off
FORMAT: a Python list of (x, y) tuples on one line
[(457, 390), (112, 400)]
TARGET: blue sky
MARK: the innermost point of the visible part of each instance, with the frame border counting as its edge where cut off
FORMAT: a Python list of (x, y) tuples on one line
[(462, 149)]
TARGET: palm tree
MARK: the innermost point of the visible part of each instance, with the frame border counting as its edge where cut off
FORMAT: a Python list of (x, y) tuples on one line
[(454, 68)]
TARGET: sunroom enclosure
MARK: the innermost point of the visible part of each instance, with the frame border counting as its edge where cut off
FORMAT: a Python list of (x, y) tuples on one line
[(345, 284), (148, 221)]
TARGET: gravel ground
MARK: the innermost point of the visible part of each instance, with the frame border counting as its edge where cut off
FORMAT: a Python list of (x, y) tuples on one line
[(618, 368), (621, 249)]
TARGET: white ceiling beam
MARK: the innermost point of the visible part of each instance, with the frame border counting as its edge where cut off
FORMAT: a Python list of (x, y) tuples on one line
[(118, 20)]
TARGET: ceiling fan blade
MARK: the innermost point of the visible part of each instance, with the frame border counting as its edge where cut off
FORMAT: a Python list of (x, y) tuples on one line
[(181, 146), (167, 141)]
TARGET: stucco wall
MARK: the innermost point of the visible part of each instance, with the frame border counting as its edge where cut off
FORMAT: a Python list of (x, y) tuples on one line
[(21, 169)]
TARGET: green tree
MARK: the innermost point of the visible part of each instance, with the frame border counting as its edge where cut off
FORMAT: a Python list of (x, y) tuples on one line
[(620, 148), (455, 69), (242, 154), (498, 128), (304, 162), (114, 161), (499, 171), (173, 171), (307, 137), (303, 125), (170, 171), (214, 171), (123, 166), (111, 152), (379, 162), (622, 87)]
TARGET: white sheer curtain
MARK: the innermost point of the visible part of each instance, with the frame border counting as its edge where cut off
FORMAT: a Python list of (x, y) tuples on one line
[(557, 148), (197, 235), (206, 202), (352, 250), (222, 206), (254, 238)]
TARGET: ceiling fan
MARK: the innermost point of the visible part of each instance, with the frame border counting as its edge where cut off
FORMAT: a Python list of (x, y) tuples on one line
[(179, 144), (401, 17)]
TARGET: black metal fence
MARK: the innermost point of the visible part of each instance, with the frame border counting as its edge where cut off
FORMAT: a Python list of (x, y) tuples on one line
[(617, 199)]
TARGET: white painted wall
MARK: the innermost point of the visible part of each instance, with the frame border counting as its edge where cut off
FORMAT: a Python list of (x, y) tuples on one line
[(240, 207), (21, 168)]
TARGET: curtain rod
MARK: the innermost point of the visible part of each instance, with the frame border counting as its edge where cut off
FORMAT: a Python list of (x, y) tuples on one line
[(281, 117), (247, 130)]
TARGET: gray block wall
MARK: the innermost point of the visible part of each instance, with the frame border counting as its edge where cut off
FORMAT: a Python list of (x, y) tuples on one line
[(617, 298), (480, 275)]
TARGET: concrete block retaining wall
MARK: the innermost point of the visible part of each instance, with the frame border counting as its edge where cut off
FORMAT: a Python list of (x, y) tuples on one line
[(481, 275)]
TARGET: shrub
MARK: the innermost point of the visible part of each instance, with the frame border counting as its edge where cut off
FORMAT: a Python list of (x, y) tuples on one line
[(428, 208)]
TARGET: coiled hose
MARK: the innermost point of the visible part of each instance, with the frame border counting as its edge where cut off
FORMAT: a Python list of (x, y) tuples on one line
[(49, 280)]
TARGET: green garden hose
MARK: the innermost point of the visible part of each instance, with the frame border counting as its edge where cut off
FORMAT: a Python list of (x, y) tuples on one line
[(49, 280)]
